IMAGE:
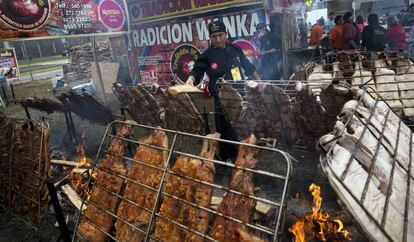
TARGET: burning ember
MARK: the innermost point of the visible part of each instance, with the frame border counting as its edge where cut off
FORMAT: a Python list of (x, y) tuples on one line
[(318, 225), (79, 176)]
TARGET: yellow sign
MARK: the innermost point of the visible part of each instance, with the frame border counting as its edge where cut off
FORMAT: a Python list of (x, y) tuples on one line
[(309, 3), (235, 72), (145, 10)]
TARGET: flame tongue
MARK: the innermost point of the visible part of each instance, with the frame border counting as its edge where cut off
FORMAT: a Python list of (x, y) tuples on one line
[(77, 179), (317, 224)]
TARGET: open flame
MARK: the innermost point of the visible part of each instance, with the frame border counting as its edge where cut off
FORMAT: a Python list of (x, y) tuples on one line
[(77, 178), (317, 224)]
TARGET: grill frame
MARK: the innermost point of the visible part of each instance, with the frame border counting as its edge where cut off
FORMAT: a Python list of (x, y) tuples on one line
[(173, 150)]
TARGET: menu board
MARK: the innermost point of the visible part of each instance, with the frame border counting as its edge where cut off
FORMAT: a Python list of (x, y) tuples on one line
[(8, 60), (35, 18)]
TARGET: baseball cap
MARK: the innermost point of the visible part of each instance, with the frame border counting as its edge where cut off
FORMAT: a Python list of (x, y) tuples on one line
[(216, 27)]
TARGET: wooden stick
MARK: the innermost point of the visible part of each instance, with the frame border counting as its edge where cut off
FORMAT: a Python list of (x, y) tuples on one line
[(73, 196), (64, 163)]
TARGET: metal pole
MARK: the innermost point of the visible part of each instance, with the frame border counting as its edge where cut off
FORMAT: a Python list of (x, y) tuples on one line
[(285, 69), (40, 50), (27, 60), (54, 46), (98, 69), (128, 45), (60, 217)]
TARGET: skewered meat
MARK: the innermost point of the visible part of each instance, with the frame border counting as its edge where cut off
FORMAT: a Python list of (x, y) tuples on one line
[(29, 166), (231, 101), (266, 111), (6, 132), (140, 104), (272, 107), (345, 64), (318, 81), (380, 139), (180, 108), (42, 104), (161, 109), (191, 191), (140, 195), (314, 119), (405, 81), (107, 182), (301, 72), (386, 85), (237, 206), (87, 107), (362, 77)]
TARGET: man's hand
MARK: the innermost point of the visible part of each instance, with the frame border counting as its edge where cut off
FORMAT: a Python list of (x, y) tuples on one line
[(190, 81)]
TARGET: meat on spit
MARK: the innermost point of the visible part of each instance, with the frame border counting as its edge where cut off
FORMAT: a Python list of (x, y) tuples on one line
[(193, 192), (102, 201)]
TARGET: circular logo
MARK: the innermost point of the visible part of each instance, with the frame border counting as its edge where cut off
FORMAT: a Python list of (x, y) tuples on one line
[(135, 11), (25, 15), (248, 48), (183, 60), (111, 14), (214, 66)]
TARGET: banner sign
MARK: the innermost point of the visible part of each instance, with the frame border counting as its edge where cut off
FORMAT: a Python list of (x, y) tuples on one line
[(36, 18), (8, 60), (144, 10), (166, 51)]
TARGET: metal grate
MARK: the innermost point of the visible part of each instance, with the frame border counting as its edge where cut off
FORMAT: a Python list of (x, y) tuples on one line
[(372, 173), (271, 176), (24, 168), (391, 75)]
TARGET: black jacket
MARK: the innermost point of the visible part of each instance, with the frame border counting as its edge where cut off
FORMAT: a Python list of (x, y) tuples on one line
[(374, 38), (218, 62)]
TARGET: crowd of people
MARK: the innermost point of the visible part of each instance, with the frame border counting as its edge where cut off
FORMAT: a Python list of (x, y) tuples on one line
[(344, 32)]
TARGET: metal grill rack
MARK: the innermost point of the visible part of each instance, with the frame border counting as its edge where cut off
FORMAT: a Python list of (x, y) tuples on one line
[(271, 175), (379, 222), (398, 91), (265, 110), (24, 168)]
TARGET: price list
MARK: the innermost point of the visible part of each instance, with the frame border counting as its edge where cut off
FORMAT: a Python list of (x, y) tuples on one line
[(77, 16)]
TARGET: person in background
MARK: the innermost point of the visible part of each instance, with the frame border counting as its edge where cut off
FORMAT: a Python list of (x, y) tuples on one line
[(408, 17), (410, 42), (330, 23), (395, 35), (350, 40), (222, 60), (335, 36), (374, 35), (360, 23), (268, 53), (316, 33), (4, 72)]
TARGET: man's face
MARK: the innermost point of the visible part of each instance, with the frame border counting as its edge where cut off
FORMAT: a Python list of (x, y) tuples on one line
[(331, 17), (218, 40), (261, 32)]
